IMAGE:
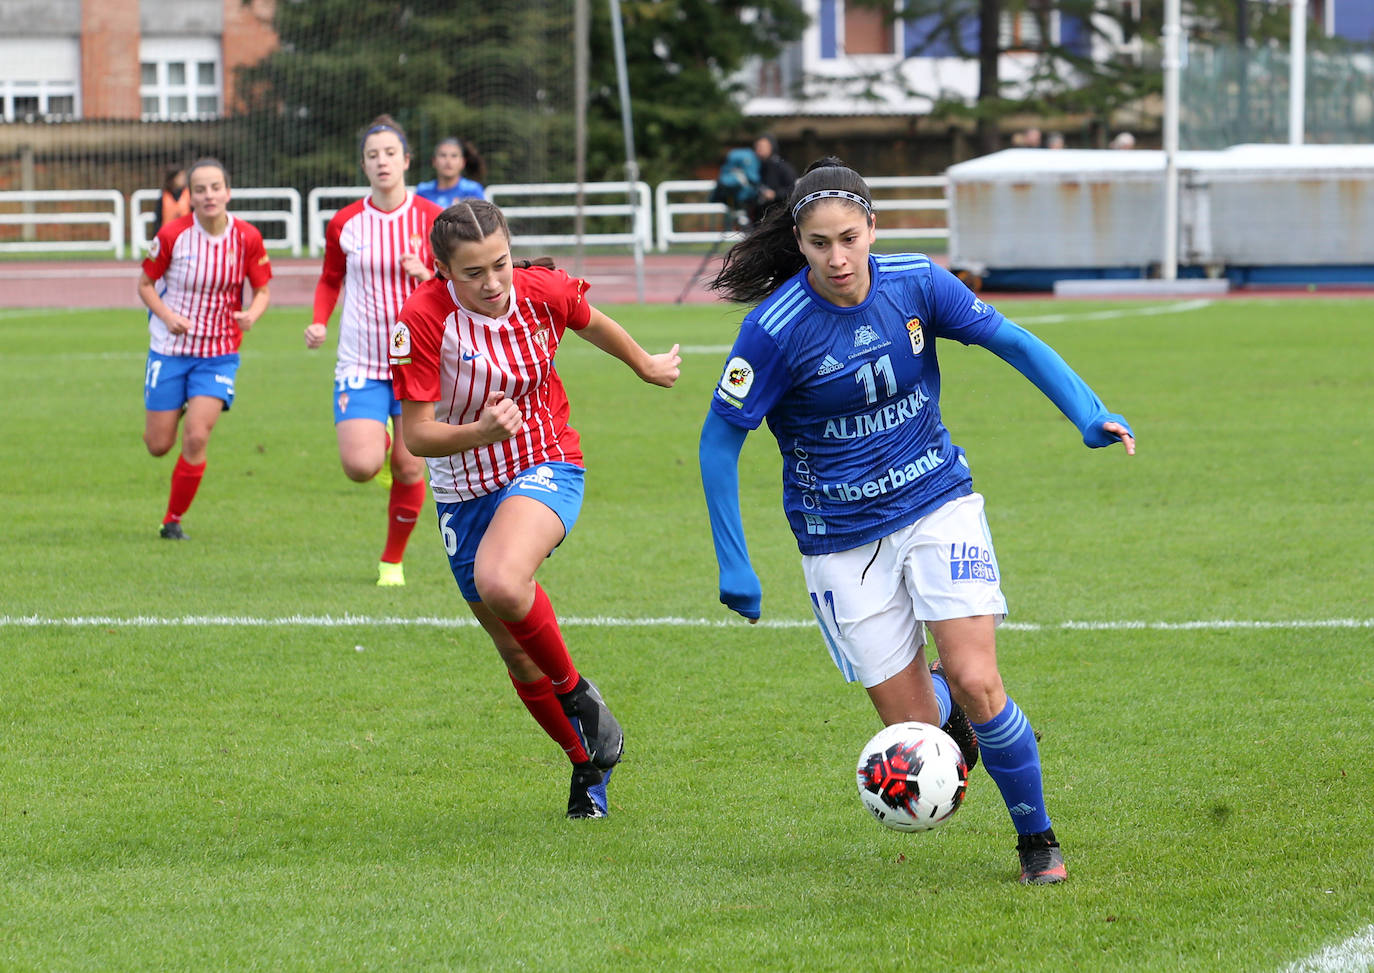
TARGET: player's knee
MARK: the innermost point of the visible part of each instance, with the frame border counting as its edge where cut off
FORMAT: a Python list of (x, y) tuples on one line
[(158, 445), (979, 693), (503, 593), (360, 472)]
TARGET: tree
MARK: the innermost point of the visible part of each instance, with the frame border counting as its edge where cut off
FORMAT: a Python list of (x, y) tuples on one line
[(500, 73), (681, 56)]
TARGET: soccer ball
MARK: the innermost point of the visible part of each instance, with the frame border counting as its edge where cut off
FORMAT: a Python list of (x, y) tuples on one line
[(912, 776)]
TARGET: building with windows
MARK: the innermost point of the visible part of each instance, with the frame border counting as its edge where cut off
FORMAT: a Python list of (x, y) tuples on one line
[(861, 76), (141, 60)]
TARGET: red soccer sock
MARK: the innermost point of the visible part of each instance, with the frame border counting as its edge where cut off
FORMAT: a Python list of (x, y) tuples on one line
[(539, 636), (185, 482), (402, 511), (547, 711)]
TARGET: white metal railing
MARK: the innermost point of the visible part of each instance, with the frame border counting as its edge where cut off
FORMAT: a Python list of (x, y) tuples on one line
[(317, 215), (667, 209), (688, 197), (110, 214), (287, 218), (540, 214), (886, 202), (638, 217)]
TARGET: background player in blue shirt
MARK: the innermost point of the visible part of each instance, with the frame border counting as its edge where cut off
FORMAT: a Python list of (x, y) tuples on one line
[(839, 356), (457, 168)]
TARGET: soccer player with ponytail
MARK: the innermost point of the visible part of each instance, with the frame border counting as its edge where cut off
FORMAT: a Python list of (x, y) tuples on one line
[(193, 284), (839, 357), (472, 359), (376, 251)]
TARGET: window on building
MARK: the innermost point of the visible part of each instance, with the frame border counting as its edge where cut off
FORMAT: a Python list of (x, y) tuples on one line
[(39, 78), (180, 78), (33, 101), (1022, 29), (867, 30)]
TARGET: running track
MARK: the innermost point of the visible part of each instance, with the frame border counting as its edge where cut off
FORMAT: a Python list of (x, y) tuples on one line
[(111, 283)]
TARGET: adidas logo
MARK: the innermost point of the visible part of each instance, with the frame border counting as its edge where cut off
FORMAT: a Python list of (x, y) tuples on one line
[(828, 366), (1022, 809)]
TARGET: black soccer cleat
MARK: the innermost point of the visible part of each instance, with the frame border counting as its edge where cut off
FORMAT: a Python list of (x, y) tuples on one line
[(600, 732), (587, 796), (958, 727), (1042, 863), (171, 531)]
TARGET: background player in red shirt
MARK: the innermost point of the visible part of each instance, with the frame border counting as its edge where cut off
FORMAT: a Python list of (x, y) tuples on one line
[(472, 359), (192, 283), (377, 251)]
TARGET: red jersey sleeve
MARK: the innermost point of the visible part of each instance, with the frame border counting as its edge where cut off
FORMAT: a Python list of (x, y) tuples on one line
[(577, 312), (257, 265), (334, 269), (160, 249), (417, 340)]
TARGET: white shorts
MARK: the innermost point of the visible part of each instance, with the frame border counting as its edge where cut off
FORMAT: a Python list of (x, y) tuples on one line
[(873, 601)]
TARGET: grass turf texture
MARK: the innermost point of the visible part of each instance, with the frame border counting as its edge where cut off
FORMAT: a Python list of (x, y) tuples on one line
[(369, 796)]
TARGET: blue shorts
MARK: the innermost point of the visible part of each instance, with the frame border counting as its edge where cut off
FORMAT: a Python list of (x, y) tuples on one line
[(557, 486), (170, 381), (364, 398)]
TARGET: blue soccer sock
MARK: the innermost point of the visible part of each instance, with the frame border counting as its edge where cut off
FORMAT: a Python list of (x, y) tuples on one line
[(1007, 744), (942, 696)]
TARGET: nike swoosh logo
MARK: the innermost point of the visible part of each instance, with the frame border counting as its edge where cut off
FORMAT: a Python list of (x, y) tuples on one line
[(469, 356)]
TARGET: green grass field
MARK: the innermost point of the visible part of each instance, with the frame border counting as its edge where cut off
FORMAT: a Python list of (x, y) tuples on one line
[(239, 753)]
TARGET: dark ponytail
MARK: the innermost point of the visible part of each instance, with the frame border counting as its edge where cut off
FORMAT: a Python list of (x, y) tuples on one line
[(769, 255)]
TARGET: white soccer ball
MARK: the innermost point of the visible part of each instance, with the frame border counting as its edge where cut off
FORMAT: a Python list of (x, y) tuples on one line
[(912, 776)]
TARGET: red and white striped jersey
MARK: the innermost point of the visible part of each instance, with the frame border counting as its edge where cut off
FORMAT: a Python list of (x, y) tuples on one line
[(445, 354), (363, 246), (202, 280)]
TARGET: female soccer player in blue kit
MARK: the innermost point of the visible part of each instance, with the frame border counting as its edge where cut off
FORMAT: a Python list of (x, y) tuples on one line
[(839, 356)]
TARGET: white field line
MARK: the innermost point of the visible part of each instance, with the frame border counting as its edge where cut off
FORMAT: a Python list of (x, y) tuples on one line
[(1355, 955), (604, 621)]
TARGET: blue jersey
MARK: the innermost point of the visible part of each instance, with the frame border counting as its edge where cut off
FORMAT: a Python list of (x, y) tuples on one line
[(852, 395), (464, 189)]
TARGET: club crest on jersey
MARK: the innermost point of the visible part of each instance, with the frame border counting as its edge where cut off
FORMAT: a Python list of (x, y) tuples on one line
[(917, 336), (541, 337), (400, 339), (738, 378), (415, 242)]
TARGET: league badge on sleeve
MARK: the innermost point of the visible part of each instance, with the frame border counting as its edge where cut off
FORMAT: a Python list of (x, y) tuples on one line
[(400, 344), (154, 248), (737, 380)]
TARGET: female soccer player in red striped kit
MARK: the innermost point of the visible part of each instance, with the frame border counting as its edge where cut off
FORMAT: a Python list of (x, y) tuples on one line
[(377, 251), (192, 283), (472, 358)]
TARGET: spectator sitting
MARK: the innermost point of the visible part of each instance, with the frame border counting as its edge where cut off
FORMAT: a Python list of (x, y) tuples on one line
[(1055, 140), (776, 177), (1124, 140)]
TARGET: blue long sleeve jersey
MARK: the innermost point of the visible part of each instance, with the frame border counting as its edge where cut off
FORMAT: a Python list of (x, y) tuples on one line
[(852, 396)]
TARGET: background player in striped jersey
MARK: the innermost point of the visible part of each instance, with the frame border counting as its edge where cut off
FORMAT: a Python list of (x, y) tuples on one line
[(458, 173), (473, 363), (839, 357), (377, 251), (192, 283)]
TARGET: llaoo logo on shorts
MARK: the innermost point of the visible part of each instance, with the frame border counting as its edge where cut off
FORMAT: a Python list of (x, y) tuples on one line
[(540, 478), (971, 562)]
